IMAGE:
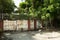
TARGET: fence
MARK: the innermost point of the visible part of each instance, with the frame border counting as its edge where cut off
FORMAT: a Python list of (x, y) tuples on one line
[(20, 24)]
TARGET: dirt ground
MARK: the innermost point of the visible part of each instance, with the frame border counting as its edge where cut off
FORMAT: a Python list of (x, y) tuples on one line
[(34, 35)]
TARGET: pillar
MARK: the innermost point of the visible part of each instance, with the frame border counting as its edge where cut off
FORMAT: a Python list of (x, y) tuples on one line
[(28, 24)]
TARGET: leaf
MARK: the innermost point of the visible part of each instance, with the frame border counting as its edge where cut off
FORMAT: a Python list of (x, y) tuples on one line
[(47, 14), (51, 1), (43, 17), (50, 8)]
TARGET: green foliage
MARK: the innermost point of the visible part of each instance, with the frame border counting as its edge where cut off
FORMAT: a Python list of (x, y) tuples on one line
[(52, 1), (43, 17), (23, 5), (47, 15), (50, 8), (42, 9), (6, 6)]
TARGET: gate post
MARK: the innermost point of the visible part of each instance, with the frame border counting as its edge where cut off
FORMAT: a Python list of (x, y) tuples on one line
[(1, 25), (1, 28), (28, 24)]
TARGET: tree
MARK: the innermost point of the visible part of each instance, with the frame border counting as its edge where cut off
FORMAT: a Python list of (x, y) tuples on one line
[(46, 10), (7, 6)]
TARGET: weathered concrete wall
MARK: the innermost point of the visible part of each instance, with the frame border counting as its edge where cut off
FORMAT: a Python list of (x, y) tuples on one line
[(19, 24)]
